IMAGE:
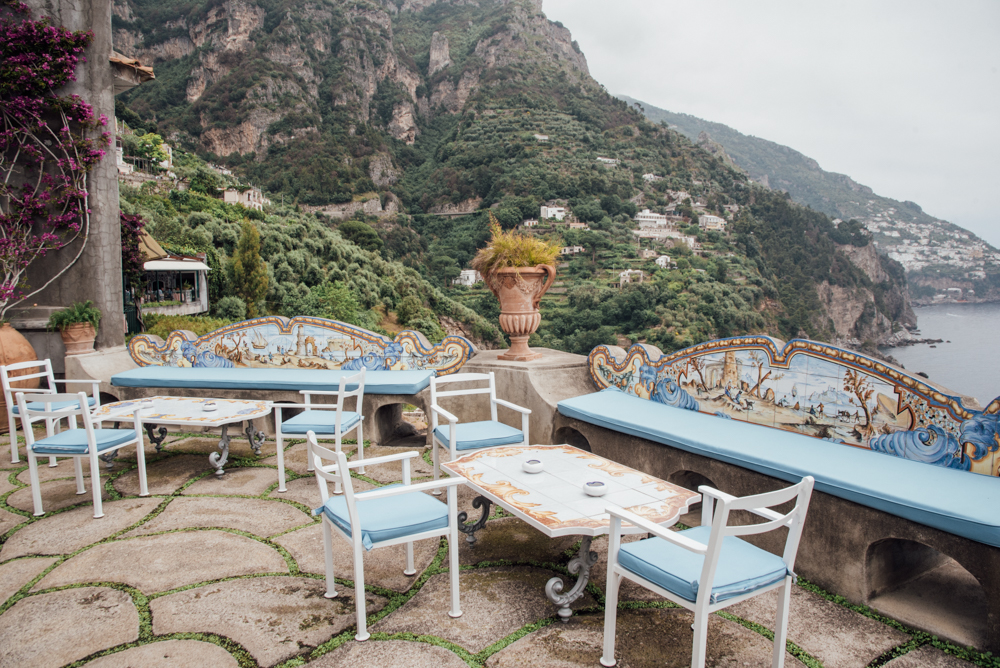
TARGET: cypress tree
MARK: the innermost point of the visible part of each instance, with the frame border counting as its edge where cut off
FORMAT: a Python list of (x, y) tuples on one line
[(250, 270)]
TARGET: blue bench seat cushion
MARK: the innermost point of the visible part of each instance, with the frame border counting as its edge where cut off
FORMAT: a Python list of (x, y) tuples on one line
[(293, 380), (74, 441), (957, 502), (320, 421), (389, 517), (57, 406), (742, 567), (475, 435)]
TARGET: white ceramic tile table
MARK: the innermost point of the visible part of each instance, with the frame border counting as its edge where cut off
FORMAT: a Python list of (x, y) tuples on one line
[(554, 502), (191, 412)]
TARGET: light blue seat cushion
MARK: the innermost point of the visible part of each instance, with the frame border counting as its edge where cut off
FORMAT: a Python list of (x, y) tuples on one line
[(475, 435), (389, 517), (321, 422), (742, 567), (376, 382), (957, 502), (74, 441), (57, 406)]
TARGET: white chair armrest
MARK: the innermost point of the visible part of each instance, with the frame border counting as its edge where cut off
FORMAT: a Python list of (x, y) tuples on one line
[(716, 494), (382, 492), (328, 407), (443, 413), (519, 409), (658, 531)]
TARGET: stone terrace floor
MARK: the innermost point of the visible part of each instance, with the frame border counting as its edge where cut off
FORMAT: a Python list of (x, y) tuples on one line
[(212, 571)]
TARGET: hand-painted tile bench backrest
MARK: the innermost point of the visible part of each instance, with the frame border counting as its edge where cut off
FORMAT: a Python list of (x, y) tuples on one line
[(814, 389), (302, 342)]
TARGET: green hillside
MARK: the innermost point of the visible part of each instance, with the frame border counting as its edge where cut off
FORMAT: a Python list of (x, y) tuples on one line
[(340, 103)]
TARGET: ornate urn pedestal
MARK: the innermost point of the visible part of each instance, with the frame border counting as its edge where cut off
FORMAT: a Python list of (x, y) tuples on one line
[(519, 290)]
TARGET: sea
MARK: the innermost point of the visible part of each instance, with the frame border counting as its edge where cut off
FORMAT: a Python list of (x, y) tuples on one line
[(966, 362)]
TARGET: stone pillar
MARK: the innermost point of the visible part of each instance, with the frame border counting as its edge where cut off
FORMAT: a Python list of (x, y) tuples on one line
[(538, 384), (97, 275)]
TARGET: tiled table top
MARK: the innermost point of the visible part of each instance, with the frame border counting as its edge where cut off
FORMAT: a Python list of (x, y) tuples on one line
[(182, 411), (553, 501)]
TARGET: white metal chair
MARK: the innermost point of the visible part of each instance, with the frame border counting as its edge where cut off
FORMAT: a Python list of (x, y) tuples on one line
[(382, 517), (457, 436), (86, 443), (326, 421), (37, 369), (708, 568)]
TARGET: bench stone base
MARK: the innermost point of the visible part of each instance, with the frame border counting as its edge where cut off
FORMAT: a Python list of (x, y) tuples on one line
[(865, 555)]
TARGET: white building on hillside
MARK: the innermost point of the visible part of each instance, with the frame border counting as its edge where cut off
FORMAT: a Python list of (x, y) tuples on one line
[(631, 276), (468, 277), (647, 218), (712, 223), (610, 162), (665, 262), (651, 177), (557, 212), (571, 250), (530, 222)]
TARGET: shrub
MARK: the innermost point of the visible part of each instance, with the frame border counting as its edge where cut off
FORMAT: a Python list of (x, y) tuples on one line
[(231, 308), (162, 325)]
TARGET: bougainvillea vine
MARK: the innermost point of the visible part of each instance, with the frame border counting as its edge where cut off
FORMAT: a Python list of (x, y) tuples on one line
[(132, 257), (48, 144)]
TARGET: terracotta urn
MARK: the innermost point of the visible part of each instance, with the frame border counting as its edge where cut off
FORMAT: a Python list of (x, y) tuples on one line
[(519, 290), (79, 338), (15, 348)]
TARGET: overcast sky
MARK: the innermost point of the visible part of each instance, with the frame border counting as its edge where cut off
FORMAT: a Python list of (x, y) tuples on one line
[(903, 97)]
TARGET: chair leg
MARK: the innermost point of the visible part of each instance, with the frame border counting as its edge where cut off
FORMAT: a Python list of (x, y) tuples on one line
[(437, 466), (78, 470), (456, 608), (280, 451), (52, 427), (781, 624), (140, 456), (610, 617), (410, 570), (12, 431), (359, 593), (36, 491), (361, 446), (95, 482), (336, 486), (700, 637), (331, 586)]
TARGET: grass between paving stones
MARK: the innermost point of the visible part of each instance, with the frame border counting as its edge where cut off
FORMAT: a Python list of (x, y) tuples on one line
[(395, 600)]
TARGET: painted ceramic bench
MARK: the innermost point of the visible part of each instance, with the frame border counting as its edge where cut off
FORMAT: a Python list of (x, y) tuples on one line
[(906, 473), (273, 358)]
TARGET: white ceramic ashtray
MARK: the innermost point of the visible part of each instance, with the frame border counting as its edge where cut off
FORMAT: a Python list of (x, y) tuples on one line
[(533, 466), (595, 488), (209, 406)]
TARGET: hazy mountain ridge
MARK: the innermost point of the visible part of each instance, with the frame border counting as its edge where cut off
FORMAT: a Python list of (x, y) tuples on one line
[(936, 253)]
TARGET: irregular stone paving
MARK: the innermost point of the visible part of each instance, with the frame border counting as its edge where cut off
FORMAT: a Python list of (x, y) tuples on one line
[(60, 627), (257, 516), (67, 532), (167, 561), (274, 618), (211, 596), (168, 654)]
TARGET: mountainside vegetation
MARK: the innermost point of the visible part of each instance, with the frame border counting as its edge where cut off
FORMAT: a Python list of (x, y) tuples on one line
[(389, 130)]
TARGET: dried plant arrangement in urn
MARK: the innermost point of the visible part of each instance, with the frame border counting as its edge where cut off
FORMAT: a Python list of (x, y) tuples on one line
[(518, 269)]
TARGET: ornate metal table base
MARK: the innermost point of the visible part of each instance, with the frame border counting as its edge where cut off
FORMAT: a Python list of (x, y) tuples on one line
[(218, 459), (471, 529), (582, 562), (156, 439)]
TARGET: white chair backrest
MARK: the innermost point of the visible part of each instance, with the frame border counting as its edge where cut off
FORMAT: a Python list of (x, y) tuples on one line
[(716, 510), (39, 369), (343, 393), (335, 473), (489, 388), (30, 415)]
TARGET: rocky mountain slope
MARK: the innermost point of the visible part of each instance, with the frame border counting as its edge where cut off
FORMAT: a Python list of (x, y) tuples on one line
[(935, 253), (400, 110)]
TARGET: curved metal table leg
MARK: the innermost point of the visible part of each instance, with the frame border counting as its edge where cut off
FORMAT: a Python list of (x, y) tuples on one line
[(157, 439), (218, 459), (471, 529), (582, 562), (256, 438)]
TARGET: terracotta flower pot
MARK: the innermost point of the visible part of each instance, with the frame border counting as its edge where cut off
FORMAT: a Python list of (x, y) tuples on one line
[(519, 290), (79, 338), (15, 348)]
